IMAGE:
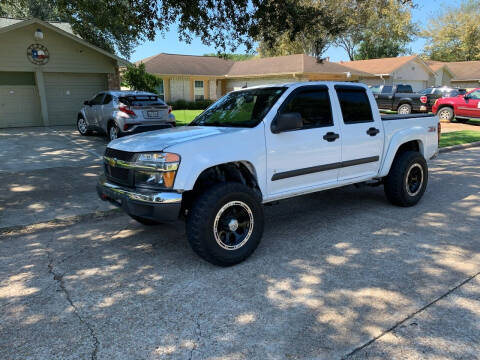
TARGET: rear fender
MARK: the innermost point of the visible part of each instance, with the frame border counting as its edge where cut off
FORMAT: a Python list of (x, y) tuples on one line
[(416, 133)]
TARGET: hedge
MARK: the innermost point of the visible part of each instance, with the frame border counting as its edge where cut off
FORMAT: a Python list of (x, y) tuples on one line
[(190, 105)]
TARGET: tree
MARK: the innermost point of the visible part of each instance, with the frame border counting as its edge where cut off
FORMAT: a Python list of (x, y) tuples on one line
[(235, 57), (379, 28), (454, 35), (137, 78)]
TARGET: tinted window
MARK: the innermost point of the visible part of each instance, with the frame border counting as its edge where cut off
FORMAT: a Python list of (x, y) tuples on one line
[(387, 89), (108, 99), (404, 88), (313, 105), (355, 105), (437, 92), (97, 100), (141, 100), (425, 91), (451, 93)]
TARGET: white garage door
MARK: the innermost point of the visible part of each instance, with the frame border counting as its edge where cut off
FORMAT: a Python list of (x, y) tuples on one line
[(19, 101), (66, 93)]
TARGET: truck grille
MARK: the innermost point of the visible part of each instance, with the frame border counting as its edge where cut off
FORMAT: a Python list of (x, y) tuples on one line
[(116, 174)]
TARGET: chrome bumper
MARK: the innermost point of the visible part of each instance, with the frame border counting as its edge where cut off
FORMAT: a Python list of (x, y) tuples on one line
[(159, 206)]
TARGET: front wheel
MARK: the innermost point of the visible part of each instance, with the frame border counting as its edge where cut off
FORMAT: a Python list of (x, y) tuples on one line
[(225, 224), (404, 109), (445, 114), (407, 180), (82, 127)]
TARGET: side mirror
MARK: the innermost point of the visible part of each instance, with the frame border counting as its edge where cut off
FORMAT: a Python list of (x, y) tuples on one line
[(466, 96), (86, 102), (287, 122)]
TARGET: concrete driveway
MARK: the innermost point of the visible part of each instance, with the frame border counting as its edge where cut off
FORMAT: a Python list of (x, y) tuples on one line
[(48, 173), (339, 274)]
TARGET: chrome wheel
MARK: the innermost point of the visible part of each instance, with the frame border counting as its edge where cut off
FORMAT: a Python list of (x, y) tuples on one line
[(404, 110), (113, 133), (82, 126), (414, 179), (233, 225), (445, 114)]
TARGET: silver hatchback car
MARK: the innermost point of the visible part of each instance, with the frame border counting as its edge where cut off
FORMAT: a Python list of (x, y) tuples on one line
[(119, 113)]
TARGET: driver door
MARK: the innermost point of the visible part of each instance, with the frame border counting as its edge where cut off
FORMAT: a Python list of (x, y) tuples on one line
[(471, 105), (308, 158)]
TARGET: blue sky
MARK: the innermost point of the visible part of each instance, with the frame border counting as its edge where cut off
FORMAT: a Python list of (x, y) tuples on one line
[(426, 9)]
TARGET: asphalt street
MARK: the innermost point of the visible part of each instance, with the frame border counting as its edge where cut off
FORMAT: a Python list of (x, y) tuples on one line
[(340, 274)]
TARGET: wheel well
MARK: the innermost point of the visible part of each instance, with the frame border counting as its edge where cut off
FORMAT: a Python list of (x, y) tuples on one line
[(403, 103), (413, 145), (444, 106), (109, 123), (240, 171), (79, 116)]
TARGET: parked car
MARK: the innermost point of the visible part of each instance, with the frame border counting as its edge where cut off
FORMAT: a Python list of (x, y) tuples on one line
[(399, 98), (119, 113), (433, 93), (461, 107), (257, 146)]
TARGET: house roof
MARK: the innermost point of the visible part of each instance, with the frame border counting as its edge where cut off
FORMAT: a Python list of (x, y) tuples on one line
[(65, 29), (173, 64), (382, 66), (465, 70)]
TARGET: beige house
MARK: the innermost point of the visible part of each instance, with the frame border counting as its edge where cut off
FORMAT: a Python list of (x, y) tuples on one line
[(46, 72), (411, 70), (465, 74), (194, 78)]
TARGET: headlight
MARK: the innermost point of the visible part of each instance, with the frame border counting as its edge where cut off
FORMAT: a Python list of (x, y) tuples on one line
[(156, 169)]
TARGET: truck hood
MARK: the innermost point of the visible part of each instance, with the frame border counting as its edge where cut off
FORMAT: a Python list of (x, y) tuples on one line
[(159, 140)]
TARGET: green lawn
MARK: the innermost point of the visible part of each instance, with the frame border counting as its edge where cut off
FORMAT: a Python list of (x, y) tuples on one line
[(459, 137), (184, 117)]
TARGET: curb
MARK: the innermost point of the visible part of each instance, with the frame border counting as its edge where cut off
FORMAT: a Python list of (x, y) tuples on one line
[(459, 147), (55, 223)]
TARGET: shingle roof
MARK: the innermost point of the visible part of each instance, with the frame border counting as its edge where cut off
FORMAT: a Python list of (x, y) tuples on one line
[(435, 65), (379, 66), (465, 70), (208, 65), (4, 22), (175, 64)]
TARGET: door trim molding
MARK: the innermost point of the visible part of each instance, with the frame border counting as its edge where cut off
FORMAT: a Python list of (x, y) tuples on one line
[(326, 167)]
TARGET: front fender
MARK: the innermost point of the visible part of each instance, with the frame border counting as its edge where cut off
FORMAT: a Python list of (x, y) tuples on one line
[(416, 133)]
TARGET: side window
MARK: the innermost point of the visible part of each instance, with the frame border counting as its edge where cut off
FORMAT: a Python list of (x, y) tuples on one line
[(437, 92), (108, 99), (387, 89), (475, 95), (313, 105), (97, 100), (355, 105)]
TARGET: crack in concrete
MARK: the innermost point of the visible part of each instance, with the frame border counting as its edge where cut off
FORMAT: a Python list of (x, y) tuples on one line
[(410, 316), (58, 277)]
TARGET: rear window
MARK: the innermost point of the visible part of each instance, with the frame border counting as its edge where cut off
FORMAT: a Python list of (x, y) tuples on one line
[(387, 89), (141, 100), (404, 89), (354, 104)]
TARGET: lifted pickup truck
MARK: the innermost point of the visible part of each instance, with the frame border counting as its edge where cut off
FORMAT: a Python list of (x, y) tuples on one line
[(399, 98), (259, 145)]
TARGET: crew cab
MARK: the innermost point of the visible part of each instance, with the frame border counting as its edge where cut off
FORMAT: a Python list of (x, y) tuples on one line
[(399, 98), (460, 107), (119, 113), (257, 146)]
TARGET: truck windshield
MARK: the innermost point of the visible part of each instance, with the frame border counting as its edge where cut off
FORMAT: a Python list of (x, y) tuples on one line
[(244, 108)]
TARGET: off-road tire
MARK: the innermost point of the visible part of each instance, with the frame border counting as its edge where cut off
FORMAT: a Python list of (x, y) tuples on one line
[(81, 128), (144, 221), (406, 107), (396, 180), (201, 221)]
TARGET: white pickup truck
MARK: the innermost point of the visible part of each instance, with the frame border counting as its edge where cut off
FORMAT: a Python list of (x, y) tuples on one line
[(260, 145)]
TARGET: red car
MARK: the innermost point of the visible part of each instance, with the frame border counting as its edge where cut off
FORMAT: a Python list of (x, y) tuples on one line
[(462, 107)]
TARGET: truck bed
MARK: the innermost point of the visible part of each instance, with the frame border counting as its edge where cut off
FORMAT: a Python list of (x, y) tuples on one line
[(404, 117)]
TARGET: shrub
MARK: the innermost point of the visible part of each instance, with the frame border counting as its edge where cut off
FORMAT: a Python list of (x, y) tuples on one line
[(137, 78), (190, 105)]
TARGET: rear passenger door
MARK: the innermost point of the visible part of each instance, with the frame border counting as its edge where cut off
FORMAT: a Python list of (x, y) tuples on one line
[(362, 134), (307, 158)]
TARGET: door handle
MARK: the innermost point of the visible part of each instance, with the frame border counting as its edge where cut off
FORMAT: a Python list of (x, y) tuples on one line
[(373, 131), (331, 136)]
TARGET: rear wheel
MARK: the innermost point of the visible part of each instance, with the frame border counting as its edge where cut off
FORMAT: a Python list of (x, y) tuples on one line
[(407, 180), (404, 109), (225, 224), (445, 114), (82, 126), (113, 132)]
